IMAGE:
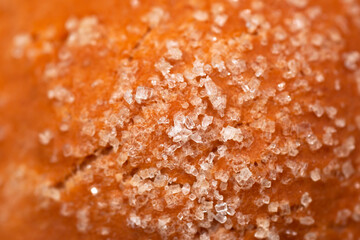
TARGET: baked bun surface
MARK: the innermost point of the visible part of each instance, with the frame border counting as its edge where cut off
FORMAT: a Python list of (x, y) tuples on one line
[(194, 119)]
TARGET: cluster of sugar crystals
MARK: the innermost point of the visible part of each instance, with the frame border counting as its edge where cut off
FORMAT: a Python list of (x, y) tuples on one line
[(61, 94), (20, 43), (211, 118), (83, 32)]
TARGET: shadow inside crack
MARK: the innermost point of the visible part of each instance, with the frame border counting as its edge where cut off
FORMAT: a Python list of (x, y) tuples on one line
[(82, 164), (139, 43)]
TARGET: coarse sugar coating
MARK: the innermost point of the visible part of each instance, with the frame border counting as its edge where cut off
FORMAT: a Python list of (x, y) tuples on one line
[(194, 119)]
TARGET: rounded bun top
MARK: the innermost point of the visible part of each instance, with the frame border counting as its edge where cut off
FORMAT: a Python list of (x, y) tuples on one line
[(181, 119)]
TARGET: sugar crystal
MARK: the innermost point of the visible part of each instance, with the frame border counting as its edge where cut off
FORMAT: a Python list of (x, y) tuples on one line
[(310, 236), (201, 15), (351, 59), (94, 191), (231, 133), (345, 148), (207, 120), (315, 175), (243, 175), (163, 66), (306, 199), (308, 220), (82, 216), (348, 169), (221, 217), (298, 3), (154, 17), (273, 207), (221, 208), (45, 137), (142, 93)]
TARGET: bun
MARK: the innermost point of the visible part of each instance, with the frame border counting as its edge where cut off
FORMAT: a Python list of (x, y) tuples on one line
[(180, 119)]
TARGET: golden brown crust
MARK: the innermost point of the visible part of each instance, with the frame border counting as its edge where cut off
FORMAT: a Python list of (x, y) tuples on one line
[(189, 119)]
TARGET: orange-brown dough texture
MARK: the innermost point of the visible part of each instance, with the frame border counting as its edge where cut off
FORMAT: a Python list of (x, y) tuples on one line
[(194, 119)]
